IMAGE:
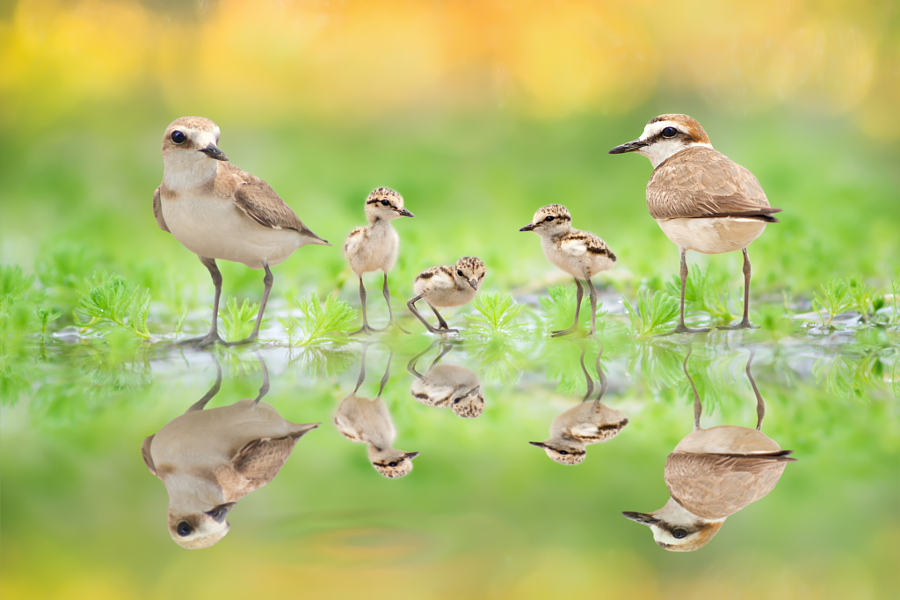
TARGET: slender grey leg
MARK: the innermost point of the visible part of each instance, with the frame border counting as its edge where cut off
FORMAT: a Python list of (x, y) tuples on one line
[(267, 282), (579, 294), (760, 403), (587, 378), (387, 373), (362, 298), (601, 376), (264, 388), (593, 306), (445, 348), (362, 369), (411, 365), (387, 298), (412, 307), (199, 404), (681, 328), (698, 407), (440, 319), (745, 322), (213, 336)]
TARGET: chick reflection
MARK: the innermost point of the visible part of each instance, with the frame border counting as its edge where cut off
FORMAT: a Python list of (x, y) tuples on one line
[(447, 385), (210, 459), (712, 474), (369, 421), (591, 422)]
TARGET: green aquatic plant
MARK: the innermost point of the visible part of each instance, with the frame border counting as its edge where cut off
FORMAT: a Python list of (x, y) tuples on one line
[(835, 298), (319, 322), (496, 314), (499, 358), (704, 292), (115, 302), (652, 312), (863, 298), (558, 308), (238, 320)]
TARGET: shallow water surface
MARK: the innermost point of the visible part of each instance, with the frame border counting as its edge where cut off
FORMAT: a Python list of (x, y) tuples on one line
[(481, 512)]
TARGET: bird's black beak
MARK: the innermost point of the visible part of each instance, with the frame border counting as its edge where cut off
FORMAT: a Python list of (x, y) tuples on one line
[(529, 227), (538, 444), (474, 284), (213, 151), (219, 512), (404, 213), (643, 518), (411, 455), (628, 147)]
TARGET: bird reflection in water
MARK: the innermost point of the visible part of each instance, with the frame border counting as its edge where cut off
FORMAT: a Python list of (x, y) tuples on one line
[(712, 474), (591, 422), (369, 421), (210, 459), (447, 385)]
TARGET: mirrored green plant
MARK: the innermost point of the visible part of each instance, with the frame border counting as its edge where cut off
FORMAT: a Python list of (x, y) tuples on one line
[(651, 312), (317, 360), (115, 302), (319, 322), (499, 358)]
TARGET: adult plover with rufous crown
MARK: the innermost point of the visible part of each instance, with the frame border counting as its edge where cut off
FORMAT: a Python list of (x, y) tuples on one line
[(702, 200)]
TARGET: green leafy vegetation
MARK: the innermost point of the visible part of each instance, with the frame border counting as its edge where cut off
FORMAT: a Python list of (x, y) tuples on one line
[(238, 320), (496, 314), (651, 313), (319, 322), (115, 301)]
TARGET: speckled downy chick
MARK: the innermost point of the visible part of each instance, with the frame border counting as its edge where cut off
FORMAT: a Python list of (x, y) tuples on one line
[(368, 421), (579, 253), (447, 286), (375, 246), (591, 422), (444, 386), (712, 474), (210, 459)]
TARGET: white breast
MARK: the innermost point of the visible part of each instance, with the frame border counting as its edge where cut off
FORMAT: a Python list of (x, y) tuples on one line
[(712, 235), (216, 228), (375, 250)]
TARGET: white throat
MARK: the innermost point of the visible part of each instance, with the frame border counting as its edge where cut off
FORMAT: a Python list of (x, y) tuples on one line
[(184, 170), (661, 150)]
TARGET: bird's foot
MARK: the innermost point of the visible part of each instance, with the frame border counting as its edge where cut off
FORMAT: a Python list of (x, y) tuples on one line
[(745, 324), (444, 331), (684, 329), (562, 332), (244, 341), (365, 329), (204, 341)]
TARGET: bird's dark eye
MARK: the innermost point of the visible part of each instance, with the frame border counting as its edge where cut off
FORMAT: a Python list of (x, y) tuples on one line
[(679, 534), (548, 219), (183, 528), (392, 464), (457, 401), (178, 137), (563, 452), (384, 202), (669, 132), (459, 272)]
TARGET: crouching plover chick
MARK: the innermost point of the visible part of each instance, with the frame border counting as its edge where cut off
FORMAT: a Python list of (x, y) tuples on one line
[(591, 422), (369, 421), (445, 287), (374, 247), (578, 253), (210, 459), (701, 199), (447, 385), (712, 474), (219, 211)]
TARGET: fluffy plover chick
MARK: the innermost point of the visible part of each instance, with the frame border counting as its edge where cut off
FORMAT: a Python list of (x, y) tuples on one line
[(591, 422), (712, 474), (579, 253), (210, 459), (218, 211), (368, 420), (701, 199), (447, 286), (374, 247), (445, 385)]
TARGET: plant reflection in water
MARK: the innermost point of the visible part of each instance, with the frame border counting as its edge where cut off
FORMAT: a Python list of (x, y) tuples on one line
[(712, 474), (210, 459)]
